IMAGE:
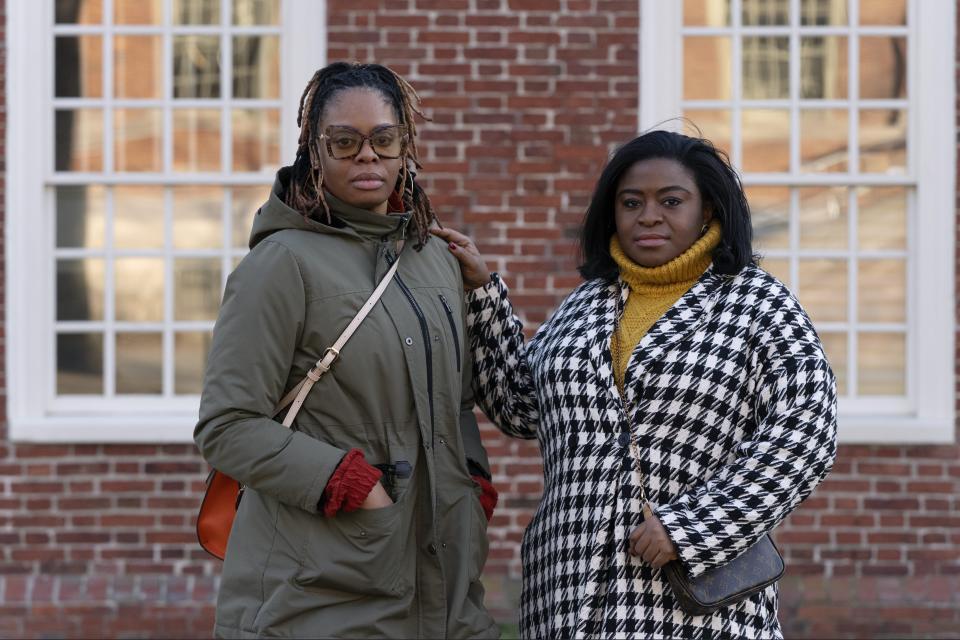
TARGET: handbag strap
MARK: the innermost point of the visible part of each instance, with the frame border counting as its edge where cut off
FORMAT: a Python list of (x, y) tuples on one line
[(296, 397)]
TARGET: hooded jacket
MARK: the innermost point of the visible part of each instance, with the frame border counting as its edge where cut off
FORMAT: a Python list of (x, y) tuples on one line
[(400, 392)]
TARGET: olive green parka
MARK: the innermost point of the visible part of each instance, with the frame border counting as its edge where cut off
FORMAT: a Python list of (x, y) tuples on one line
[(400, 392)]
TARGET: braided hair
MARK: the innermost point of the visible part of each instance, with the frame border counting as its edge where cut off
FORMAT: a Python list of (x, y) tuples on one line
[(305, 191)]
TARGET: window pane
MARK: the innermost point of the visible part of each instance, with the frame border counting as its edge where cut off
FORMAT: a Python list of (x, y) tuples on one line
[(823, 67), (835, 346), (823, 140), (256, 139), (81, 211), (706, 68), (256, 12), (196, 66), (246, 200), (190, 358), (713, 124), (882, 290), (766, 140), (80, 363), (778, 268), (196, 288), (881, 364), (706, 13), (883, 12), (78, 65), (823, 12), (883, 141), (79, 11), (137, 11), (138, 217), (883, 67), (196, 11), (140, 363), (139, 140), (882, 218), (770, 214), (196, 140), (138, 66), (766, 12), (80, 285), (766, 68), (139, 289), (256, 67), (824, 220), (197, 217), (823, 289), (78, 140)]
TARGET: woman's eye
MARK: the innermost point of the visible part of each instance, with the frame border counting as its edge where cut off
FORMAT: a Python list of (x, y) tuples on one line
[(631, 203), (383, 140), (672, 202), (344, 142)]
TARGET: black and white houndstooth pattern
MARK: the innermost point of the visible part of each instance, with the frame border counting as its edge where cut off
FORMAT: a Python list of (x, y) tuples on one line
[(736, 424)]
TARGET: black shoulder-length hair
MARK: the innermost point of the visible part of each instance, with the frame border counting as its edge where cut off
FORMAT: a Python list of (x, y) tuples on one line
[(716, 179)]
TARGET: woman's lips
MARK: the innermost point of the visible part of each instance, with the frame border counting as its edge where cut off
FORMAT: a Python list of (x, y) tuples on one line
[(368, 182), (650, 241)]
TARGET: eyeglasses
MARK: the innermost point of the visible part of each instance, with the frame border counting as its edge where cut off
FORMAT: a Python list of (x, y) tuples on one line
[(345, 143)]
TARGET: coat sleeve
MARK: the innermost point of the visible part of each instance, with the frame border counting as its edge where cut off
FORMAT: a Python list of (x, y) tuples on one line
[(503, 383), (474, 450), (776, 467), (254, 340)]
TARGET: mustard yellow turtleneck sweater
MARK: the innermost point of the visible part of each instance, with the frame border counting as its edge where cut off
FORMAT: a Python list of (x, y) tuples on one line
[(653, 290)]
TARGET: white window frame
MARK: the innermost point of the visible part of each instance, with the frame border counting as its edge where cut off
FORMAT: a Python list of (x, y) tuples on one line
[(33, 414), (928, 417)]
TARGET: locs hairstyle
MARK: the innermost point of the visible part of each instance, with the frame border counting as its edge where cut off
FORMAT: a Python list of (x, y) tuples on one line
[(305, 192), (719, 186)]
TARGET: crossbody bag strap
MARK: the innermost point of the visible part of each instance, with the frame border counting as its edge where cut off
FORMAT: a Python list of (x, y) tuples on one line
[(296, 397)]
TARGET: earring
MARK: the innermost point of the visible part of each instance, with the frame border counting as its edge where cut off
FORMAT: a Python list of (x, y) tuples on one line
[(703, 229)]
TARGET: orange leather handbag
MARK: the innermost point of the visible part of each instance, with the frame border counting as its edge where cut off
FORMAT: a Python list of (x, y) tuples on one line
[(222, 497)]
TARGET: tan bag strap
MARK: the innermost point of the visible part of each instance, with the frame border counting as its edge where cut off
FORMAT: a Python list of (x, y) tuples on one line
[(296, 397)]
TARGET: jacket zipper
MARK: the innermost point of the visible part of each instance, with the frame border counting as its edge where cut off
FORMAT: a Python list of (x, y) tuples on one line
[(453, 328), (425, 332)]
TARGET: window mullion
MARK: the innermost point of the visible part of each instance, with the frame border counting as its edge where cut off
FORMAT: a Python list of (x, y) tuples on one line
[(736, 151), (168, 294), (794, 63), (226, 89)]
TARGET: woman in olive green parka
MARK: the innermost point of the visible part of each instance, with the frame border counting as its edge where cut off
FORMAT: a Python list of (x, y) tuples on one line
[(365, 519)]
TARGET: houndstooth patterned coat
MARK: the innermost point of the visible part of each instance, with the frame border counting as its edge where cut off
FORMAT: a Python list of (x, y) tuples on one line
[(735, 417)]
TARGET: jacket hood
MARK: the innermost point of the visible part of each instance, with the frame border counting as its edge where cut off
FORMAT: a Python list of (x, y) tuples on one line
[(349, 221)]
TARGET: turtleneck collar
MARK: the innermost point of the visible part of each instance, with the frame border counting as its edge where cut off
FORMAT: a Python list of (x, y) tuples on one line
[(685, 268), (365, 222)]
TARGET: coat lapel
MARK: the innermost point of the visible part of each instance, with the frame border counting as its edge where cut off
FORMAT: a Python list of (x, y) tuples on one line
[(679, 320), (608, 300)]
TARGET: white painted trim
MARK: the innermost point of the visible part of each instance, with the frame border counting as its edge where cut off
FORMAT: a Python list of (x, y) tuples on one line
[(33, 413), (934, 153), (931, 385), (661, 63)]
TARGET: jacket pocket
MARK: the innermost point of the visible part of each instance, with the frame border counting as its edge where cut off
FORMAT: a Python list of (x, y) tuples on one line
[(361, 553), (453, 328)]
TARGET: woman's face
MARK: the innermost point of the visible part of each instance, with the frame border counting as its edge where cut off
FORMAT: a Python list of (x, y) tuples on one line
[(366, 180), (659, 211)]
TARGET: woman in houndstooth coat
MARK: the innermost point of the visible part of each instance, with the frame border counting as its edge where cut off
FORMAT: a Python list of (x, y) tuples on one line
[(731, 401)]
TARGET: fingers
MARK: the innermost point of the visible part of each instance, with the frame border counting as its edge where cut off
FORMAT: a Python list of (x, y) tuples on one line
[(663, 557), (451, 235)]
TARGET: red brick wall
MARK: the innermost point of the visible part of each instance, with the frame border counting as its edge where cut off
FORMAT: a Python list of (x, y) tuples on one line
[(527, 98)]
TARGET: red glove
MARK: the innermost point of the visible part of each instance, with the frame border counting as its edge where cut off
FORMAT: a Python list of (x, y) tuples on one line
[(349, 485), (488, 496)]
